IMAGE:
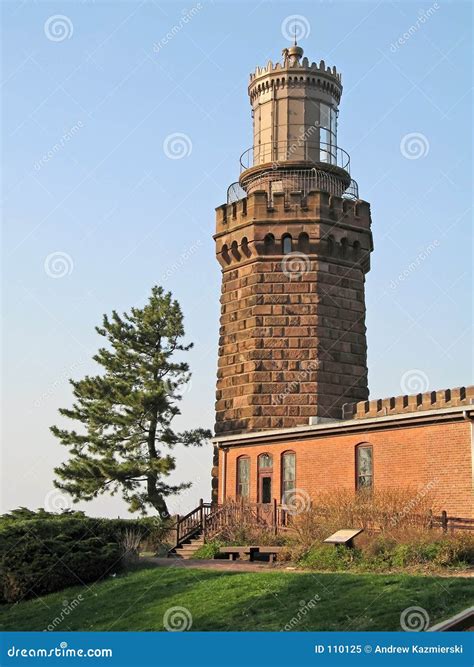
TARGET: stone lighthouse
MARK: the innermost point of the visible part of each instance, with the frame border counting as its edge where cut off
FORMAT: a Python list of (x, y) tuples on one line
[(294, 244)]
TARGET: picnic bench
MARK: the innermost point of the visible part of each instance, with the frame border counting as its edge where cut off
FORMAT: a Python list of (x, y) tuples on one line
[(249, 552)]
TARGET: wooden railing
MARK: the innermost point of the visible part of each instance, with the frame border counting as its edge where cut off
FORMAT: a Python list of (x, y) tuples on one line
[(451, 523), (192, 523), (211, 520)]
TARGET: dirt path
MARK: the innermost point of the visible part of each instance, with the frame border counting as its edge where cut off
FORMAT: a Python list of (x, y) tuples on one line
[(245, 566)]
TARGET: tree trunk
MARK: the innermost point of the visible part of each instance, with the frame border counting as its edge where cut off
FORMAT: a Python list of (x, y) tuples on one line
[(154, 496)]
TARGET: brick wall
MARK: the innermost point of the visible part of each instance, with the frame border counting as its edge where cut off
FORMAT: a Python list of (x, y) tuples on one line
[(439, 455)]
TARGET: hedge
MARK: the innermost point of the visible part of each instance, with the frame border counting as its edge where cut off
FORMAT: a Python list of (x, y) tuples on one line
[(42, 552)]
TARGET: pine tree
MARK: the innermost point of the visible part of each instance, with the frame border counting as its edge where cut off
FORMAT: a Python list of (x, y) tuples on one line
[(126, 413)]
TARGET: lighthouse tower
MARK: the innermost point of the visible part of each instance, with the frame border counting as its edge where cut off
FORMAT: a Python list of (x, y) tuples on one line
[(294, 244)]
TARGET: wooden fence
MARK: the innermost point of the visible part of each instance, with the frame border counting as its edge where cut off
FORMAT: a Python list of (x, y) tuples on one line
[(211, 520)]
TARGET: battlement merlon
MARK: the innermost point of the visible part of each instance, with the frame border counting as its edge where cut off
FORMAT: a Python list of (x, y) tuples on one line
[(429, 400), (296, 68), (314, 207), (292, 72)]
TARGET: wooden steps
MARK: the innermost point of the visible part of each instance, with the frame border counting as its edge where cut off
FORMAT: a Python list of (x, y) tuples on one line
[(187, 549)]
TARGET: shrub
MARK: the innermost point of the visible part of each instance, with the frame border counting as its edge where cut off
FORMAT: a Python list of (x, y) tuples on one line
[(244, 525), (36, 567), (42, 552), (328, 557), (392, 512), (382, 554), (208, 550), (455, 550)]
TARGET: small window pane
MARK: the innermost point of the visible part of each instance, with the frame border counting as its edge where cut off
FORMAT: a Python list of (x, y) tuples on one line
[(333, 123), (287, 245), (288, 475), (243, 477), (324, 116), (364, 468), (265, 461)]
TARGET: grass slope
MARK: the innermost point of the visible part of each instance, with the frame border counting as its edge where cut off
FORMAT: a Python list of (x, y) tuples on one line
[(242, 601)]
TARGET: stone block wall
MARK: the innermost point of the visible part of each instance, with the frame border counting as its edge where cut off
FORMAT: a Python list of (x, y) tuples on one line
[(292, 338)]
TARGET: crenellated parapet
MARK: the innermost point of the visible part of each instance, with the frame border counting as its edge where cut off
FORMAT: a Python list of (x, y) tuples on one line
[(320, 226), (280, 76), (406, 403), (278, 67), (320, 205)]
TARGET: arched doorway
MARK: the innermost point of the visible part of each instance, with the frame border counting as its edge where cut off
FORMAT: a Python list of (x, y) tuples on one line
[(265, 478)]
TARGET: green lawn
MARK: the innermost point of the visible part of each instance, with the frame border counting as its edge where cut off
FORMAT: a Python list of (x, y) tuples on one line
[(220, 600)]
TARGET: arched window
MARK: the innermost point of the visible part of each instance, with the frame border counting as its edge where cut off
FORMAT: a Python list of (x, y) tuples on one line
[(364, 467), (344, 247), (245, 246), (269, 244), (303, 242), (225, 254), (288, 475), (265, 461), (286, 244), (356, 249), (234, 248), (330, 245), (243, 477)]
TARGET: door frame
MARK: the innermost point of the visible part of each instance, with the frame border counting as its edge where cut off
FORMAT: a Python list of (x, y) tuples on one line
[(262, 474)]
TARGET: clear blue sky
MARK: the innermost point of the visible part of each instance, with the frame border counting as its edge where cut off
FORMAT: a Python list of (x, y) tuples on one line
[(86, 114)]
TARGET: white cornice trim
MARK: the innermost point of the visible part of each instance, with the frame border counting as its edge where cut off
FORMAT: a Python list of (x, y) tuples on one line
[(350, 424)]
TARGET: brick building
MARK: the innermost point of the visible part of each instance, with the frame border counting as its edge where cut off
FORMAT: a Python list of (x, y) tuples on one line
[(294, 242)]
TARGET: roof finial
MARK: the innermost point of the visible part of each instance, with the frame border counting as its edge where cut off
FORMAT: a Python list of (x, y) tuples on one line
[(296, 43)]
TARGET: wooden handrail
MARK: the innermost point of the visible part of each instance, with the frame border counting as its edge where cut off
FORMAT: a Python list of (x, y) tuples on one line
[(210, 520)]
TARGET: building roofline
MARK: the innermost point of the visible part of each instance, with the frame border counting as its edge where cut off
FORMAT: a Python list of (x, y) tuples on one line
[(352, 425)]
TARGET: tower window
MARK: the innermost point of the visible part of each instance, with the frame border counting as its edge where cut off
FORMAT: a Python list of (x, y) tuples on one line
[(243, 477), (303, 242), (344, 247), (269, 244), (286, 244), (364, 467), (330, 245)]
